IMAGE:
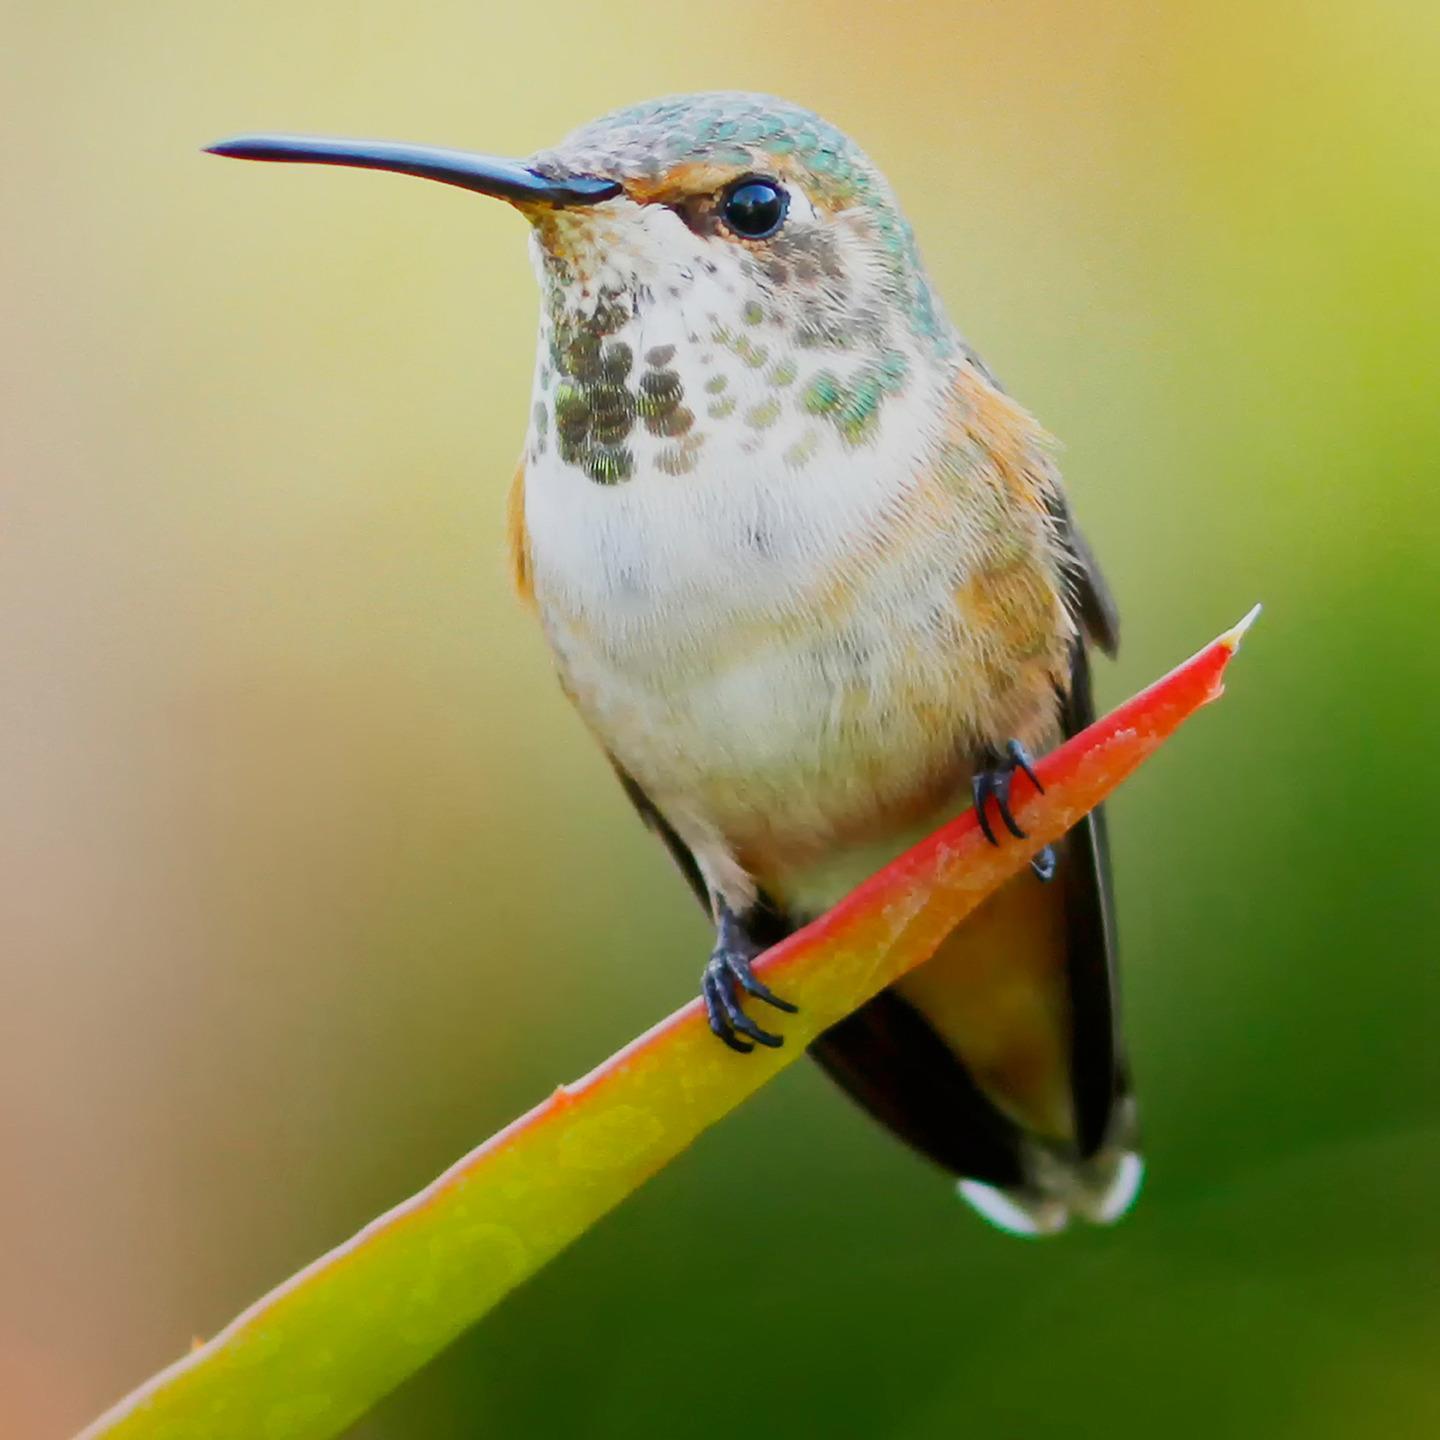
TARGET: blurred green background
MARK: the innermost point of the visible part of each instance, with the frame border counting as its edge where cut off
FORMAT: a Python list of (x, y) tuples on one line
[(310, 879)]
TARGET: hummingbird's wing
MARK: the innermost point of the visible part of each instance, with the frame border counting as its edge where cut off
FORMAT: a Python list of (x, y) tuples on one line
[(654, 820), (1090, 601), (1098, 1074), (1099, 1078)]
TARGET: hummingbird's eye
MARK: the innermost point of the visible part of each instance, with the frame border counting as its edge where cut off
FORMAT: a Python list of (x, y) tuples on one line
[(755, 209)]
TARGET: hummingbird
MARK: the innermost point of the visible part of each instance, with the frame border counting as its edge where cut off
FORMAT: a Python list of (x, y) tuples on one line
[(810, 578)]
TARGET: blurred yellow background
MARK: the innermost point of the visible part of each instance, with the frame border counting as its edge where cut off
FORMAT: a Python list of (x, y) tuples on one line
[(311, 880)]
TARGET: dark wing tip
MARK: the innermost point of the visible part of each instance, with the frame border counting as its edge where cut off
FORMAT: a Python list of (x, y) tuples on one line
[(1095, 606)]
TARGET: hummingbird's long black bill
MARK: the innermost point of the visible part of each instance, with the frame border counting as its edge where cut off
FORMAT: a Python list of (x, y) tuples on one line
[(505, 179)]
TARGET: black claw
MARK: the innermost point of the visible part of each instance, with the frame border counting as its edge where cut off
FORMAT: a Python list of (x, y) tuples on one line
[(735, 1044), (728, 973), (1044, 864), (981, 787), (1024, 761), (726, 1015), (752, 984), (996, 781), (1003, 781), (746, 1026), (716, 1011)]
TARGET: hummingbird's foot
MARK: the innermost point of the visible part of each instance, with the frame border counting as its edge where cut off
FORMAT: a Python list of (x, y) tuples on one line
[(728, 972), (995, 781)]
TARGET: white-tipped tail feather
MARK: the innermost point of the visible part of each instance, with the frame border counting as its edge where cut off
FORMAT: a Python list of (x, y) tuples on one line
[(1100, 1191)]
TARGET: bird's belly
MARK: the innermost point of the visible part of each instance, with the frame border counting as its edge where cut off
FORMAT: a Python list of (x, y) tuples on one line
[(790, 732), (807, 750)]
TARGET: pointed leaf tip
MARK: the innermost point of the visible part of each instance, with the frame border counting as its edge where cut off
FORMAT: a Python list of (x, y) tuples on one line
[(1232, 637)]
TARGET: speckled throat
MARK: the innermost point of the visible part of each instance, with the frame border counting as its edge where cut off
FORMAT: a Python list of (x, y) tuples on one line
[(629, 379)]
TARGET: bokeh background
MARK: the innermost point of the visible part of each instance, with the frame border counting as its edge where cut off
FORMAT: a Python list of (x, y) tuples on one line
[(310, 879)]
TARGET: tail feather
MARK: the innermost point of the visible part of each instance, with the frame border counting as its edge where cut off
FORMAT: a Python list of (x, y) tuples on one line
[(1058, 1189)]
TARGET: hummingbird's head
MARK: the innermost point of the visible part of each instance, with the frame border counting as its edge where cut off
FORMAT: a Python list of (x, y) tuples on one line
[(712, 262), (753, 270)]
